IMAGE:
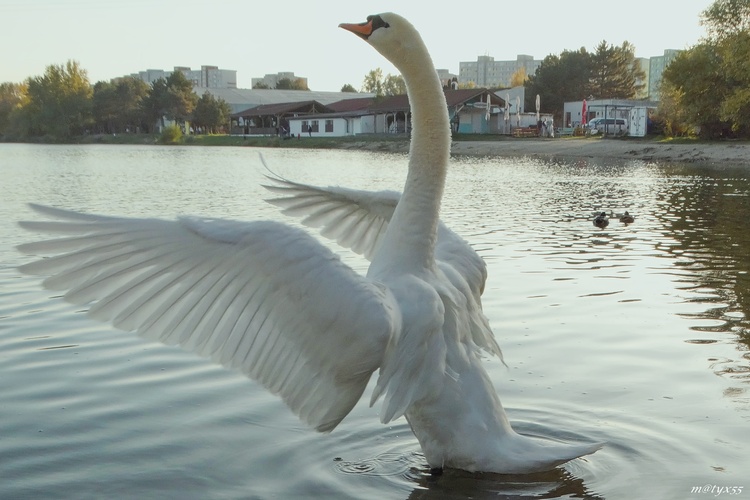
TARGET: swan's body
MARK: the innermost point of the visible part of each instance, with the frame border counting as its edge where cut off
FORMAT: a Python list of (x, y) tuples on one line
[(626, 218), (601, 220), (271, 301)]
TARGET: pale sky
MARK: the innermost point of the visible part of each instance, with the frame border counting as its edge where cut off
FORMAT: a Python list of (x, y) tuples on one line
[(111, 38)]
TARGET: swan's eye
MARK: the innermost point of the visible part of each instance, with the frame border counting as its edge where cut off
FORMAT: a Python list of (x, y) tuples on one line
[(377, 22)]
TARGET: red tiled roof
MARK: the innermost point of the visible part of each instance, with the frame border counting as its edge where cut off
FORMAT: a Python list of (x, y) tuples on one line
[(355, 104)]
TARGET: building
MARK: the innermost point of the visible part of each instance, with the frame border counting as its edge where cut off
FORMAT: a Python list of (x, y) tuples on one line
[(468, 108), (657, 65), (645, 65), (618, 109), (207, 77), (242, 99), (447, 78), (486, 72), (271, 81)]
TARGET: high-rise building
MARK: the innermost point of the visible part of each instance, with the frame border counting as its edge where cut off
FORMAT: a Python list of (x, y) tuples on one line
[(657, 65), (207, 77), (488, 73)]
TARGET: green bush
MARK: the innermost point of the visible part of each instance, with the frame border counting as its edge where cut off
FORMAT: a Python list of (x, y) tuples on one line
[(172, 134)]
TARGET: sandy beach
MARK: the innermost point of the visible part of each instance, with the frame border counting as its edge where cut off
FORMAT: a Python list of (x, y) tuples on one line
[(734, 153)]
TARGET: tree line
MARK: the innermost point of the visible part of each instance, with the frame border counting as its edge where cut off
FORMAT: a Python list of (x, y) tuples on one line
[(704, 91), (707, 87), (608, 73), (61, 104)]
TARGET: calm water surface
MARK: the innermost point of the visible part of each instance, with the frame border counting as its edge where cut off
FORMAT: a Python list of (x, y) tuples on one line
[(635, 335)]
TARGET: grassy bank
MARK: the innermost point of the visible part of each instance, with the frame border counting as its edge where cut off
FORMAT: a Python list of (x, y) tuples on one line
[(230, 140)]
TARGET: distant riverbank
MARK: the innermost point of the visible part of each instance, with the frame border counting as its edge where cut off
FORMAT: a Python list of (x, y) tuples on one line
[(728, 152), (681, 150)]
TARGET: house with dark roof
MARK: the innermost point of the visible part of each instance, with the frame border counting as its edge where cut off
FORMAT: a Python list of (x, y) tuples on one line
[(273, 119), (472, 111)]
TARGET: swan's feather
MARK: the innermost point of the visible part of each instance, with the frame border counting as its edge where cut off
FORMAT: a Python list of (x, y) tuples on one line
[(354, 219), (261, 297), (358, 219)]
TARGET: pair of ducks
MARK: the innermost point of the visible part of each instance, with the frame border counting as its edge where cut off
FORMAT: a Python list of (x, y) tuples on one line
[(601, 221)]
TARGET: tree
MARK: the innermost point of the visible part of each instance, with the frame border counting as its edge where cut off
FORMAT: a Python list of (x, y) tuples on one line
[(380, 85), (695, 88), (560, 79), (131, 92), (211, 114), (735, 55), (172, 98), (348, 88), (710, 83), (155, 105), (671, 117), (60, 102), (519, 77), (289, 84), (260, 85), (373, 82), (616, 72), (725, 18), (105, 107), (12, 98), (117, 105), (181, 98), (394, 85), (300, 84)]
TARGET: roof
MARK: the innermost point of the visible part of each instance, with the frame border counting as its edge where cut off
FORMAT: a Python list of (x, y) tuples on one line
[(242, 99), (284, 108), (369, 105), (355, 104), (452, 98)]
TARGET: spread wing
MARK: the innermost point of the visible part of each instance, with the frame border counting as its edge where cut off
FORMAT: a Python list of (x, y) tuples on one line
[(261, 297), (354, 219), (358, 219)]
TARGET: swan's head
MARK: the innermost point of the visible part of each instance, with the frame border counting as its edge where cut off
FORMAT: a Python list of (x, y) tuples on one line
[(391, 35)]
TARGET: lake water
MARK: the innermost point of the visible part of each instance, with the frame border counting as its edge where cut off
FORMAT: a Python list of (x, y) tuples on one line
[(637, 335)]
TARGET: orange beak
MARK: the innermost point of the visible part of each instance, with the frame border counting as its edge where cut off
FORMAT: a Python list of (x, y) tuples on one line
[(362, 30)]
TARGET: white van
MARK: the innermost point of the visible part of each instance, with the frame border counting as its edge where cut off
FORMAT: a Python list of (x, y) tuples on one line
[(608, 125)]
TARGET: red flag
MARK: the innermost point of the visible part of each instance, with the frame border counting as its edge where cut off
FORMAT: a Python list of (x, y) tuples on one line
[(584, 120)]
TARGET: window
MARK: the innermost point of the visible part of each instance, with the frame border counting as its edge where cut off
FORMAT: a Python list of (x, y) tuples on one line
[(315, 126), (329, 125)]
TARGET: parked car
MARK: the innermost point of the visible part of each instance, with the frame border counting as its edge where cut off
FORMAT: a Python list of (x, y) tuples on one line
[(608, 125)]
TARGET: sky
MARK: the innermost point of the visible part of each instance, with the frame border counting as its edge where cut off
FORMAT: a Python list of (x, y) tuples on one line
[(112, 38)]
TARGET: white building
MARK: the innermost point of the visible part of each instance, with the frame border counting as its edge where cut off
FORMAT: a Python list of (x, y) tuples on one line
[(634, 113)]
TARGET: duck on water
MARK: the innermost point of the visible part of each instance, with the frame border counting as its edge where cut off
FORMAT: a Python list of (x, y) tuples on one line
[(271, 301)]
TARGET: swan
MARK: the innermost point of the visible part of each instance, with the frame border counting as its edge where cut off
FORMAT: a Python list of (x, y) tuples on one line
[(271, 301), (601, 220)]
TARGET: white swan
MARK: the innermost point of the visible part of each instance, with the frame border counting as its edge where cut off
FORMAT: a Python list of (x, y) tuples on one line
[(271, 301)]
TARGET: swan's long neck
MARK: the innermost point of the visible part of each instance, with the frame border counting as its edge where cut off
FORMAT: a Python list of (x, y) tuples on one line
[(412, 231)]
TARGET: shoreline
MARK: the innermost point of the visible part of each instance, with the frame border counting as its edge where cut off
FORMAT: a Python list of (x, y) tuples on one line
[(730, 153)]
